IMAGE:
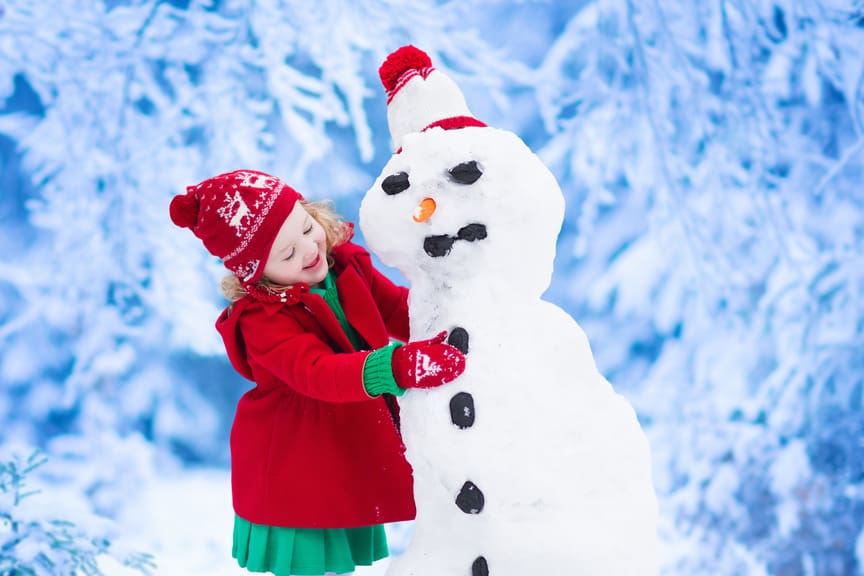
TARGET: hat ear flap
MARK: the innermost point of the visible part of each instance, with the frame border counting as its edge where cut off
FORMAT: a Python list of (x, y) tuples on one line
[(184, 210)]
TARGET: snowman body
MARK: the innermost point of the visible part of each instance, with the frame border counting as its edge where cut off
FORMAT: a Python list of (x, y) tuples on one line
[(529, 462)]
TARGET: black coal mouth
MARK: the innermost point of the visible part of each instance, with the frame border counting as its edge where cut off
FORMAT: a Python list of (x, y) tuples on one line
[(437, 246)]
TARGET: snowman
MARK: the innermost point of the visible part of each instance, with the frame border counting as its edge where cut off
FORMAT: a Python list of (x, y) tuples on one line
[(529, 463)]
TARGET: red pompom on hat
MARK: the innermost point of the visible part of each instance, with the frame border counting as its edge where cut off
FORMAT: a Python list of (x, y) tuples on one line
[(184, 210), (402, 60), (237, 216), (420, 97)]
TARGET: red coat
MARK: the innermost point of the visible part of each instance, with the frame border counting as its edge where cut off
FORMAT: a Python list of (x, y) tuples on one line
[(309, 447)]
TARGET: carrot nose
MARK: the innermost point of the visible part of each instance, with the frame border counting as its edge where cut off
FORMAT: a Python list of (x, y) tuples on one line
[(424, 210)]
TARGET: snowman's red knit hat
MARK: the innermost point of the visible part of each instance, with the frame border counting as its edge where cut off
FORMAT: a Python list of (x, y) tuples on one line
[(237, 215), (420, 97)]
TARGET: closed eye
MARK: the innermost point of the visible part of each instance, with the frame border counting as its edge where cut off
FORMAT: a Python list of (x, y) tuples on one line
[(308, 230), (291, 255)]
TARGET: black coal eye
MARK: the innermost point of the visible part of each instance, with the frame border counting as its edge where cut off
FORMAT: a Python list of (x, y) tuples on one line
[(395, 183), (466, 173)]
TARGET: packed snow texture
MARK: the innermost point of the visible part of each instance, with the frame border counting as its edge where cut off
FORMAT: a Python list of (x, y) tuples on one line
[(711, 155), (559, 458)]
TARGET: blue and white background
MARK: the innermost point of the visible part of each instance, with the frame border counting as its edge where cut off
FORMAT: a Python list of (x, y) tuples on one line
[(712, 158)]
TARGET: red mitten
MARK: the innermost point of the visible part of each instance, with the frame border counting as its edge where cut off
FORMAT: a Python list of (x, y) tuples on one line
[(427, 363)]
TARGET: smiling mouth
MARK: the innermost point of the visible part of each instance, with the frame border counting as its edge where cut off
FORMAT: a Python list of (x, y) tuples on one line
[(315, 263), (438, 246)]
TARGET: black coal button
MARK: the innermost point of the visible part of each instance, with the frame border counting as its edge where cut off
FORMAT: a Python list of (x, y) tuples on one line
[(459, 338), (480, 567), (470, 499), (462, 410)]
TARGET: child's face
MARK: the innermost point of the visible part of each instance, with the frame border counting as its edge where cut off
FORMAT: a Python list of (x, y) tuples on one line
[(299, 253)]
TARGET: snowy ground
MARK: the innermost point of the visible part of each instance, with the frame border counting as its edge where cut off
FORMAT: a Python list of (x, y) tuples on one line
[(186, 523)]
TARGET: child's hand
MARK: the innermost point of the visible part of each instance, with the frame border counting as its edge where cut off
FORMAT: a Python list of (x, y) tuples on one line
[(427, 363)]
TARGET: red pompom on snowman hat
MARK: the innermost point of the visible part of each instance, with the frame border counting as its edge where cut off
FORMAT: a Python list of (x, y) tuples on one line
[(237, 216), (420, 97)]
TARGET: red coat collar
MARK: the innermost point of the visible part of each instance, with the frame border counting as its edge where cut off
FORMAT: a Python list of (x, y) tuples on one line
[(272, 300), (361, 310), (356, 301)]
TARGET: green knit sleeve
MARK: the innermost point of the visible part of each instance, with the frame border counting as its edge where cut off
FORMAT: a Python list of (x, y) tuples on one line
[(378, 372)]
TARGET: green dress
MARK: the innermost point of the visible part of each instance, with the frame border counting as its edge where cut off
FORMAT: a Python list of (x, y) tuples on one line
[(310, 551)]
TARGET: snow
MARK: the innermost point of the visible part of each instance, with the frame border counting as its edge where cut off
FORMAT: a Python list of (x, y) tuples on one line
[(859, 548), (789, 479), (554, 476), (710, 155), (186, 521)]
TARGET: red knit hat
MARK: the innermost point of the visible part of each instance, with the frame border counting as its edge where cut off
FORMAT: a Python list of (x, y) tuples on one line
[(420, 97), (237, 215)]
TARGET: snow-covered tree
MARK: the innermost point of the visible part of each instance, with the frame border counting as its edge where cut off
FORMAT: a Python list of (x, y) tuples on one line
[(35, 541), (715, 252), (711, 154)]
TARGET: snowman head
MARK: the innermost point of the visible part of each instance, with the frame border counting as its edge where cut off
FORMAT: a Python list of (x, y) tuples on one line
[(460, 203)]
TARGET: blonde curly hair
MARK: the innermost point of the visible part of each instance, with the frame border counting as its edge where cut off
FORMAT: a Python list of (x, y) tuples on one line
[(335, 230)]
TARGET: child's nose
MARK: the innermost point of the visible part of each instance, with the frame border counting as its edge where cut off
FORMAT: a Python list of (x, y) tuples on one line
[(424, 210)]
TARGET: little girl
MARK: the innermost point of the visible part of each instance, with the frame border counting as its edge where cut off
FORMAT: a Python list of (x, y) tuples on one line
[(317, 463)]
